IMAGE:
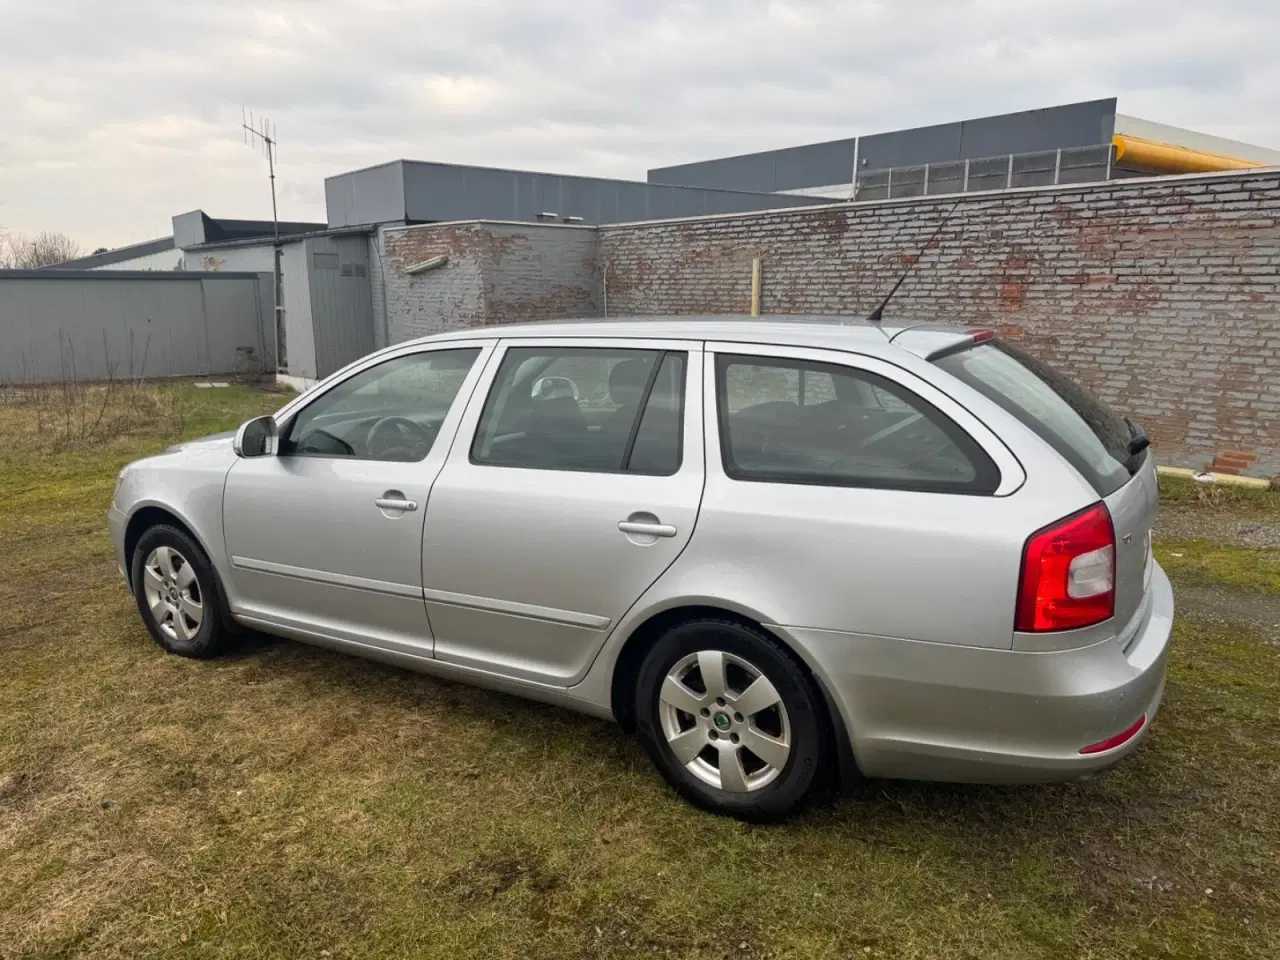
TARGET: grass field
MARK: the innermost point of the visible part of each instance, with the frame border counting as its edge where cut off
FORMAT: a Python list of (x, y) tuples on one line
[(288, 802)]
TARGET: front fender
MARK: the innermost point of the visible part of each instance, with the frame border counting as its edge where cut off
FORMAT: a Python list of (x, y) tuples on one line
[(191, 493)]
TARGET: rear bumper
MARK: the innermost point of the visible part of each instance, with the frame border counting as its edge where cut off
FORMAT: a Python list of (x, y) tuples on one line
[(932, 711)]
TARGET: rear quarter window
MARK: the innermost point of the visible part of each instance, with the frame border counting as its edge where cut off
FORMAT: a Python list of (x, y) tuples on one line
[(798, 421), (1088, 434)]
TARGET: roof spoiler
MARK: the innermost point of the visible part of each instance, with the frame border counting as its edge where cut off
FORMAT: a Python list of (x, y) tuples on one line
[(968, 339)]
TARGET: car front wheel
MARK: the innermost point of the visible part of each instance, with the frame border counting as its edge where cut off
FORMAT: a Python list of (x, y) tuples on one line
[(730, 719), (177, 593)]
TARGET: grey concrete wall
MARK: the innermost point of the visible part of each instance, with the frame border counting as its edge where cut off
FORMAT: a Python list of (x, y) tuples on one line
[(254, 257), (496, 273), (165, 260), (99, 324)]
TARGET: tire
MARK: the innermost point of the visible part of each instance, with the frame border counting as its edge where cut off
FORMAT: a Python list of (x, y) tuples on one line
[(179, 597), (703, 745)]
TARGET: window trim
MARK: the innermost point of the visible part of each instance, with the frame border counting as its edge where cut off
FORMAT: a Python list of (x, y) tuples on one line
[(988, 474), (285, 424), (660, 352)]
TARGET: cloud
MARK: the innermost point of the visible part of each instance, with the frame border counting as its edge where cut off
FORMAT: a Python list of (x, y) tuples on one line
[(116, 116)]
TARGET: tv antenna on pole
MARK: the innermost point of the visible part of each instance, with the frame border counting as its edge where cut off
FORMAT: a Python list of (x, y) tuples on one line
[(262, 133)]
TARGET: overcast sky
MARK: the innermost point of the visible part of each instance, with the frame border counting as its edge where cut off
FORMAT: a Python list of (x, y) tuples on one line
[(116, 115)]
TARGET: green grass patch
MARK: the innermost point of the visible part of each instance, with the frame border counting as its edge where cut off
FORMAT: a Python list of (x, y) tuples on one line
[(289, 802), (1211, 562)]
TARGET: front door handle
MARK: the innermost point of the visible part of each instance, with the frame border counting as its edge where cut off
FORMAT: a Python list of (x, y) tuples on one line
[(395, 500), (647, 529)]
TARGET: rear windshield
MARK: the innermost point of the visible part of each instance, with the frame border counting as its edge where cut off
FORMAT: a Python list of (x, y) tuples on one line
[(1090, 435)]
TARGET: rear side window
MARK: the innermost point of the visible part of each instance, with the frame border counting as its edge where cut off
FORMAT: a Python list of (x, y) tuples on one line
[(796, 421), (586, 409), (1085, 431)]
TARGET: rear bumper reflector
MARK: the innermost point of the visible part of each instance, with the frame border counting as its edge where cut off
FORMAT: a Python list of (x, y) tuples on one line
[(1102, 746)]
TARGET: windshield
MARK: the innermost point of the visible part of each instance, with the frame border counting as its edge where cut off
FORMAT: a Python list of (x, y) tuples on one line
[(1095, 439)]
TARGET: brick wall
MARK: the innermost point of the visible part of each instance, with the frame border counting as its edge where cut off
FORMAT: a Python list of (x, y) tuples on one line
[(496, 273), (1162, 295)]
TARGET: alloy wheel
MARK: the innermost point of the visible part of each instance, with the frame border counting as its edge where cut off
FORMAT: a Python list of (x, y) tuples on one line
[(173, 593), (724, 721)]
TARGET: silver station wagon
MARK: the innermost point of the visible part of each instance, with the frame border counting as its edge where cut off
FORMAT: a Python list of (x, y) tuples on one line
[(783, 553)]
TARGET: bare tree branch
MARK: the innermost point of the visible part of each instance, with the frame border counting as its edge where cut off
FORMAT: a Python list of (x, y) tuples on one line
[(20, 251)]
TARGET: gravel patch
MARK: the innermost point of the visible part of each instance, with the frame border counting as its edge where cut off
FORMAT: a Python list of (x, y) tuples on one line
[(1223, 605), (1197, 524)]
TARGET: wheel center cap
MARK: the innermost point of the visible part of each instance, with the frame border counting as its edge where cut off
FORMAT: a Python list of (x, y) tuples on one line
[(722, 721)]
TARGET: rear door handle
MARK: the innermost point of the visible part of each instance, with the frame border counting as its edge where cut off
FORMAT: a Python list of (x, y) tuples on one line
[(395, 503), (647, 529)]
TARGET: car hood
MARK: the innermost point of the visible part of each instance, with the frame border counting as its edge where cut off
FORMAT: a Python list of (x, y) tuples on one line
[(215, 441)]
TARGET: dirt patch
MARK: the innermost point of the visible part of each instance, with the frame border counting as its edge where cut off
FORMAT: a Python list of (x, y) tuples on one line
[(487, 878), (12, 785)]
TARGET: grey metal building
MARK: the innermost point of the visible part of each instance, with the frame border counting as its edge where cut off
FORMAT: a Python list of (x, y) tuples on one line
[(411, 191), (1071, 143)]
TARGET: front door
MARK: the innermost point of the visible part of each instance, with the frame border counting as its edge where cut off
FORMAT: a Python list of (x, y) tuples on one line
[(326, 537), (574, 482)]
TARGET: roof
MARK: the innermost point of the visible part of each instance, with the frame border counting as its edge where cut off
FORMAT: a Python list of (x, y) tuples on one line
[(826, 332), (285, 239), (118, 255)]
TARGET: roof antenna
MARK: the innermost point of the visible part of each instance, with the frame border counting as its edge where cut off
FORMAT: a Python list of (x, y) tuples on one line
[(876, 315)]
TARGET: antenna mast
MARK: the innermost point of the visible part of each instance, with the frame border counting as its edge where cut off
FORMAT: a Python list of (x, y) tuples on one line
[(876, 315), (262, 133)]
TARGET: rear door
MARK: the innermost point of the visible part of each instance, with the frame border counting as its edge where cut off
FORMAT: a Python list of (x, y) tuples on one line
[(574, 482), (1106, 449)]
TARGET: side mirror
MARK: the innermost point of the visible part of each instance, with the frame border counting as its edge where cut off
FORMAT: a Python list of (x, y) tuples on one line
[(256, 438)]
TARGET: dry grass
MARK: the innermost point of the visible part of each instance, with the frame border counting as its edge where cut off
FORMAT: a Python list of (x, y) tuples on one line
[(64, 415), (290, 802)]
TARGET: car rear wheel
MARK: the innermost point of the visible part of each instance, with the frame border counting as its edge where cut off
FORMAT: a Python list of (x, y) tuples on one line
[(731, 720), (177, 594)]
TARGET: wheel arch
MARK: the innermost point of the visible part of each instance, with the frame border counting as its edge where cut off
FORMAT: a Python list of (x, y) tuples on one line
[(154, 514), (641, 638)]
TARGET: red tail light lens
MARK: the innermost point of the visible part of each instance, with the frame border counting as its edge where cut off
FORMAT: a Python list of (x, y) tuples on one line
[(1069, 574)]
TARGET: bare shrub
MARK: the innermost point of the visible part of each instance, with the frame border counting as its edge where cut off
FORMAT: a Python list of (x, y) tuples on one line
[(72, 411)]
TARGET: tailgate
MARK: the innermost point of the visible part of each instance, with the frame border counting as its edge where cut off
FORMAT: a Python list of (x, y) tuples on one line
[(1133, 514)]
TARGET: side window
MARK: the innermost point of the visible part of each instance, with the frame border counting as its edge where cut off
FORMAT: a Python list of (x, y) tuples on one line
[(657, 447), (584, 408), (795, 421), (391, 411)]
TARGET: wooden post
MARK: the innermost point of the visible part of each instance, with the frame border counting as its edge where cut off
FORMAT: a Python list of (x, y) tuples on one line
[(755, 287)]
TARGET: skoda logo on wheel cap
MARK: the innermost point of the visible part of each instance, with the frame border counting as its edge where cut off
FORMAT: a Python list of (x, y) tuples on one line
[(722, 721)]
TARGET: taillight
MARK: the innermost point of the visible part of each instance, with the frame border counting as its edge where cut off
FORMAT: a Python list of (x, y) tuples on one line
[(1069, 574)]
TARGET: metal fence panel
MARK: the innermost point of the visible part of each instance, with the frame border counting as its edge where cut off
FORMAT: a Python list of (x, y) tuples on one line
[(92, 325)]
